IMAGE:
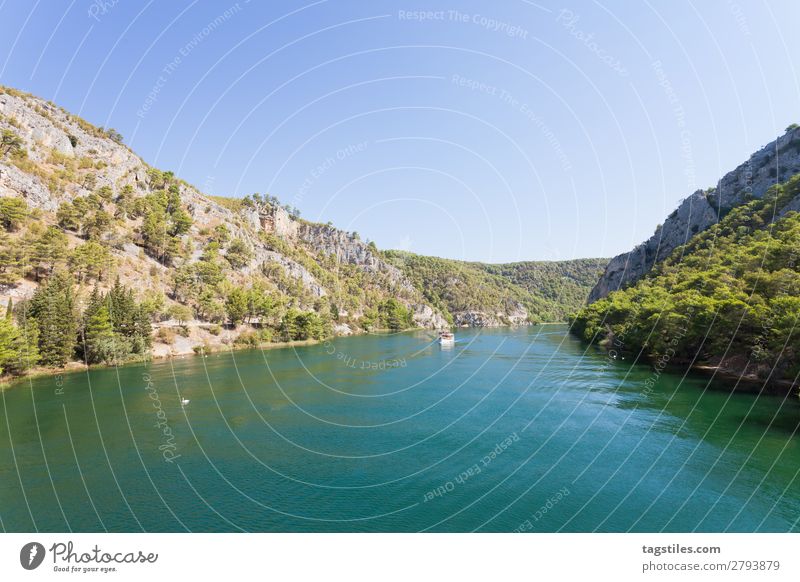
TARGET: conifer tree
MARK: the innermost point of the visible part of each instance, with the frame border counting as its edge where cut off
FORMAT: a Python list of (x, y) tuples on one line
[(8, 337), (236, 305), (49, 251), (25, 345), (11, 261), (53, 308), (101, 344), (13, 212)]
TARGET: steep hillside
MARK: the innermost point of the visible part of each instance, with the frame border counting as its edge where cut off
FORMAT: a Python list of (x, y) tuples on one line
[(773, 163), (104, 259), (76, 201), (478, 294), (729, 298)]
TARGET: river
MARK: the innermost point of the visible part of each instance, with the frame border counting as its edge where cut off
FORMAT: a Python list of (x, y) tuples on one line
[(510, 430)]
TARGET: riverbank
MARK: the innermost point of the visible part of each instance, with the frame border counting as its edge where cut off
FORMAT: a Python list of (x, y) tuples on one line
[(734, 374), (157, 355), (7, 382), (748, 382)]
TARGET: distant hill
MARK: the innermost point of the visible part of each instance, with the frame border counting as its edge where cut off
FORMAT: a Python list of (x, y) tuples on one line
[(471, 293)]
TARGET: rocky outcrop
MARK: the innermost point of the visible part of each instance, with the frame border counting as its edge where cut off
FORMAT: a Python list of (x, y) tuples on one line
[(773, 163), (475, 319), (425, 316), (46, 128), (15, 182), (515, 314), (276, 220)]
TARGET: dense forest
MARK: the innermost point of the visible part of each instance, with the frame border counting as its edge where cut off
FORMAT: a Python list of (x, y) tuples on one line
[(548, 291), (563, 284), (730, 297)]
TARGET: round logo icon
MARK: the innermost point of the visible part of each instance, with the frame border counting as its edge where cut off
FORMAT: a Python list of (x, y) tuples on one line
[(31, 555)]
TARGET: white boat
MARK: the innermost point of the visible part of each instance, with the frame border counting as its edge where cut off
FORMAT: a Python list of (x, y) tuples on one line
[(447, 338), (184, 401)]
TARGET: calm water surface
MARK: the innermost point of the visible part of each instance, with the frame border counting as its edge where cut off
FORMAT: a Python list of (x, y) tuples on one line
[(508, 429)]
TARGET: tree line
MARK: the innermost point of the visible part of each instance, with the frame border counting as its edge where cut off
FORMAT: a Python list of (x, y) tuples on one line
[(51, 328)]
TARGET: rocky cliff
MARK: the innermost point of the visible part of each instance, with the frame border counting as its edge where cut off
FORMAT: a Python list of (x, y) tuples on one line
[(63, 159), (772, 164)]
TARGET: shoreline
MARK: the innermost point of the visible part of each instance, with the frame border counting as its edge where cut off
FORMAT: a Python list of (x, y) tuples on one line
[(748, 383), (7, 383), (721, 378)]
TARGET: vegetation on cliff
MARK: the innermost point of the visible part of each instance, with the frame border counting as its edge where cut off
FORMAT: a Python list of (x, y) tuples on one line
[(730, 297)]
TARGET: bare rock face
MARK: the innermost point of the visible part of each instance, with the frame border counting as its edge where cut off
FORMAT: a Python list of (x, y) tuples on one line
[(425, 316), (517, 314), (14, 182), (39, 127), (475, 319), (347, 248), (276, 220), (45, 128), (770, 165)]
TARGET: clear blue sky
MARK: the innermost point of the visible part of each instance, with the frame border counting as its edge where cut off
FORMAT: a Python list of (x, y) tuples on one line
[(485, 131)]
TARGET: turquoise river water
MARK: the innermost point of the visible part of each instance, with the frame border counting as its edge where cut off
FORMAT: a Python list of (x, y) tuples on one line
[(510, 430)]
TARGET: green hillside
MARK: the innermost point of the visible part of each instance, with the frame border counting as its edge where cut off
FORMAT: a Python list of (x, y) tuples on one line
[(730, 297), (548, 291)]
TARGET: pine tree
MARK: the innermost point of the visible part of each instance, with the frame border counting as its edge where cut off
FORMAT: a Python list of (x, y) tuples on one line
[(90, 261), (122, 309), (13, 212), (10, 143), (11, 261), (290, 325), (25, 346), (394, 315), (309, 326), (68, 217), (143, 331), (8, 338), (53, 308), (101, 343), (49, 251), (236, 305), (239, 253)]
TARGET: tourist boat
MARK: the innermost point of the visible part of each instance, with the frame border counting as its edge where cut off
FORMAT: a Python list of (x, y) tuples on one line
[(447, 338)]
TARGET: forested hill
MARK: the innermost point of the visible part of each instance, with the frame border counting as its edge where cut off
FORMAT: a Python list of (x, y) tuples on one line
[(729, 298), (471, 293)]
